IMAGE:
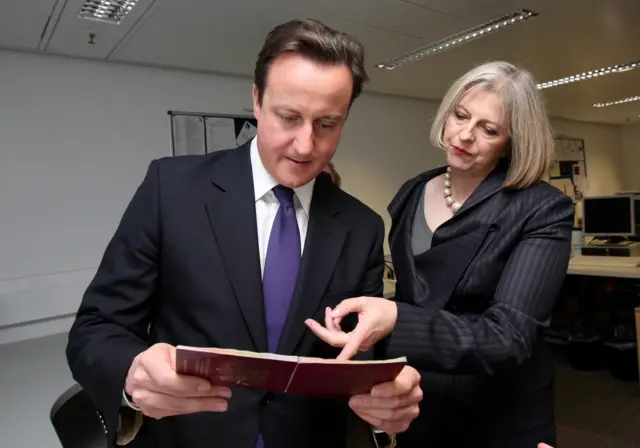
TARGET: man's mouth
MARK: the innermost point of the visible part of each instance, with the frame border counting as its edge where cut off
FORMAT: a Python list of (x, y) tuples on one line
[(298, 162)]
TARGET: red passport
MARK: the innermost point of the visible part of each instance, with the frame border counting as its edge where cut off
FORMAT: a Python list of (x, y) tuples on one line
[(286, 374)]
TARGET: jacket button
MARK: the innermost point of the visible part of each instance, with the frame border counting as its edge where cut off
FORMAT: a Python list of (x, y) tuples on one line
[(266, 399)]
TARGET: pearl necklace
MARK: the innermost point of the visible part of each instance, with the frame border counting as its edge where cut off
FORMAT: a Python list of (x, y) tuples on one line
[(455, 205)]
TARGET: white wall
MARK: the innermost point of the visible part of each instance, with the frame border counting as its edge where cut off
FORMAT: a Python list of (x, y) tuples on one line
[(76, 137), (631, 155)]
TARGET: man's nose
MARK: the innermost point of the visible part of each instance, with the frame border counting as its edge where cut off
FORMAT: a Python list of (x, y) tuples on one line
[(305, 140)]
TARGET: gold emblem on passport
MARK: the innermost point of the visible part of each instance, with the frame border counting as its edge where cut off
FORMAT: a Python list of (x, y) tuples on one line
[(242, 375)]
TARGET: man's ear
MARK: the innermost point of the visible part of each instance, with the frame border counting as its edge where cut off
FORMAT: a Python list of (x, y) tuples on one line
[(256, 102)]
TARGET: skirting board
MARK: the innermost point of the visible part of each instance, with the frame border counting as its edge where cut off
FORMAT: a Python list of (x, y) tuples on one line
[(40, 305)]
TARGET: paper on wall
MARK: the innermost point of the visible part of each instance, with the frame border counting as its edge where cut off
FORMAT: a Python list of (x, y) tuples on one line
[(247, 133), (221, 133), (188, 135)]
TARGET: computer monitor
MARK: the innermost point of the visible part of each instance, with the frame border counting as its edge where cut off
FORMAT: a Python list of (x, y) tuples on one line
[(609, 216)]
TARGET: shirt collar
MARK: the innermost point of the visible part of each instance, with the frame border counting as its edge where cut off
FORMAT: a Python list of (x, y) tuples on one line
[(263, 182)]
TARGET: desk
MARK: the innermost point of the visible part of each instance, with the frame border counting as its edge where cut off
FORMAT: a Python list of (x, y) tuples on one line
[(604, 271), (613, 272)]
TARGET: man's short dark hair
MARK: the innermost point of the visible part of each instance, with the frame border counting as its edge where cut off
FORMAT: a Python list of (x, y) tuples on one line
[(316, 41)]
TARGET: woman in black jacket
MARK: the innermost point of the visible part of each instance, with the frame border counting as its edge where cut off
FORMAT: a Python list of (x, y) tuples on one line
[(480, 248)]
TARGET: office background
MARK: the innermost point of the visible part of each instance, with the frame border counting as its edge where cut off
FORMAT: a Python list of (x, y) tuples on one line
[(76, 136)]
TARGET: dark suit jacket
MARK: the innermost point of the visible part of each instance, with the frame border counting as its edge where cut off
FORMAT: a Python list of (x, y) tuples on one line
[(184, 264), (472, 307)]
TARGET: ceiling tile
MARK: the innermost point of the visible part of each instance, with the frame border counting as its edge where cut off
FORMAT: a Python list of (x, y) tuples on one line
[(71, 35), (22, 22), (470, 10), (391, 15), (568, 37), (223, 37)]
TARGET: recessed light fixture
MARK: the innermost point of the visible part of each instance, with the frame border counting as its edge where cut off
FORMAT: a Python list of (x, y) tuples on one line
[(460, 38), (109, 11), (619, 68), (615, 103)]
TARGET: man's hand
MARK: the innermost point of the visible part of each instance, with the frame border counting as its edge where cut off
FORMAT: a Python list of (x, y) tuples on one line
[(160, 392), (391, 406)]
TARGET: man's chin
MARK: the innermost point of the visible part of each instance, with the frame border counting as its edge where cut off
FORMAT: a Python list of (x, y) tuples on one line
[(297, 177), (295, 181)]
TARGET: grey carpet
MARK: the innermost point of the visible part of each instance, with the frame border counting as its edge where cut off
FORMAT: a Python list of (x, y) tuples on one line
[(595, 410)]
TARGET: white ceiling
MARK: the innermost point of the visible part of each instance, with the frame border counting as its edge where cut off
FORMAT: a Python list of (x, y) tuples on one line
[(224, 36)]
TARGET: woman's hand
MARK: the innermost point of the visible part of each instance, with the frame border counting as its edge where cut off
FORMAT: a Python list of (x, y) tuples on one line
[(376, 319)]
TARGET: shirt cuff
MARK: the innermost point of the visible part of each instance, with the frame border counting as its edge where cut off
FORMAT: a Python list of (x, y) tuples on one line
[(383, 440), (127, 401), (129, 424)]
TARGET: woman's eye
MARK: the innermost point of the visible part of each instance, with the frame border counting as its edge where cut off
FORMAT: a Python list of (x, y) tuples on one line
[(490, 131)]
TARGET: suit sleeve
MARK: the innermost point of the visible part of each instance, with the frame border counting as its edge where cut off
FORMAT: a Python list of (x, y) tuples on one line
[(111, 325), (374, 284), (503, 336)]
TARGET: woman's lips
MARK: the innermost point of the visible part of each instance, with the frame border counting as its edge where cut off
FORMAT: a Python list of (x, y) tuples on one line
[(461, 152)]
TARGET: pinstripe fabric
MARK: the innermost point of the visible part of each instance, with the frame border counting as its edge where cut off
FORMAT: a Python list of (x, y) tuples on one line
[(475, 302), (471, 308)]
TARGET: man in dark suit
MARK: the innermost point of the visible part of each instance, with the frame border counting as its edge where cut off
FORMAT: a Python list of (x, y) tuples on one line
[(236, 249)]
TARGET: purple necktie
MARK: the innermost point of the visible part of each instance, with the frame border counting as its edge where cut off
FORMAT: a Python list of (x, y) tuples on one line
[(280, 269), (281, 266)]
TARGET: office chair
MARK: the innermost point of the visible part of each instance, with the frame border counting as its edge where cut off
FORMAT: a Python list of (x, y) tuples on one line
[(76, 420)]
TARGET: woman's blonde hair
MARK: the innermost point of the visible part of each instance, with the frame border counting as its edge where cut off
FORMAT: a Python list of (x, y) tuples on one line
[(335, 177), (531, 142)]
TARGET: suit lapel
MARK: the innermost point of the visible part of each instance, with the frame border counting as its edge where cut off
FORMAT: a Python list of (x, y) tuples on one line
[(490, 186), (430, 279), (402, 210), (323, 246), (232, 214)]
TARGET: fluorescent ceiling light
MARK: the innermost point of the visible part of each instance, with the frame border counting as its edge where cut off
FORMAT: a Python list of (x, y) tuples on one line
[(110, 11), (620, 68), (615, 103), (460, 38)]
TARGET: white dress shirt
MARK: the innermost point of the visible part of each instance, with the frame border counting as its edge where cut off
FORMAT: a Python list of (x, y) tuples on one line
[(267, 204)]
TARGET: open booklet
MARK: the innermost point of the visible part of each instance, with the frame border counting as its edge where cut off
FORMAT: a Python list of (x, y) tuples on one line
[(286, 374)]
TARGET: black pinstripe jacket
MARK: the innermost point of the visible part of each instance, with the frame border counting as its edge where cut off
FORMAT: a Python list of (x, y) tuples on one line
[(474, 304)]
